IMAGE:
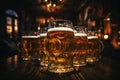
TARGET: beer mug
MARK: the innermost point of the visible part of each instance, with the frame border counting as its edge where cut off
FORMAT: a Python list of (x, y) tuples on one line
[(60, 38), (80, 46), (30, 46), (95, 46), (43, 48)]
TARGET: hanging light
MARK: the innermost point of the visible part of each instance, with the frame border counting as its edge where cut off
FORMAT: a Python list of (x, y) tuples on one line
[(46, 0), (54, 5), (106, 37), (51, 5)]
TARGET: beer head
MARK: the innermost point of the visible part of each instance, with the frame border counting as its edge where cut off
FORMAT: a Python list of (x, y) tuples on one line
[(30, 37), (60, 33), (80, 34), (92, 37), (43, 34), (60, 29)]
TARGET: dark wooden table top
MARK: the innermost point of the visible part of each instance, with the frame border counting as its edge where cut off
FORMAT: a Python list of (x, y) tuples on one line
[(14, 68)]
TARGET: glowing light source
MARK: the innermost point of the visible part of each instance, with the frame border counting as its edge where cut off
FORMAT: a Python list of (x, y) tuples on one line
[(52, 5), (46, 0), (61, 0), (106, 36), (16, 29), (108, 19), (9, 29)]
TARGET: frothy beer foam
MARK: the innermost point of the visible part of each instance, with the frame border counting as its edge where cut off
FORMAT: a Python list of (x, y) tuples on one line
[(60, 29), (92, 37), (43, 34), (80, 34), (30, 36)]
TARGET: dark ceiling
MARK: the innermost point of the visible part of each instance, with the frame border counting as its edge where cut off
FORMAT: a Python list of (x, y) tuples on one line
[(34, 7)]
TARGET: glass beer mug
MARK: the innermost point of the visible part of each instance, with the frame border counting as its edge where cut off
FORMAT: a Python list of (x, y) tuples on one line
[(80, 46), (95, 46), (30, 46), (43, 47), (60, 37)]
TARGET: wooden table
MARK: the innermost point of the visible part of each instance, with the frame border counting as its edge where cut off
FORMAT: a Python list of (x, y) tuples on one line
[(13, 68)]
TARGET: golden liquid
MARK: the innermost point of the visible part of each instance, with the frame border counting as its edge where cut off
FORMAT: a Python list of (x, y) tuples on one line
[(60, 49), (94, 49), (30, 46), (80, 49), (44, 53), (43, 41), (80, 43), (93, 44), (60, 41)]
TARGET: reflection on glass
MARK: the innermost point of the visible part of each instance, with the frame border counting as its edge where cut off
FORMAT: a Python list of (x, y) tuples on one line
[(60, 37)]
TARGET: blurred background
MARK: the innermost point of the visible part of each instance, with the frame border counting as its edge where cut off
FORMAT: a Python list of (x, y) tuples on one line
[(18, 16)]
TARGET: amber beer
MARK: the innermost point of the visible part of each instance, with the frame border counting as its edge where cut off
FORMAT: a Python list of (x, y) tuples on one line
[(43, 52), (94, 46), (80, 49), (60, 49), (30, 47)]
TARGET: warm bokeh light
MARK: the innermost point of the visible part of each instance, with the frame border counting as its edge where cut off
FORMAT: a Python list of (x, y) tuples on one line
[(9, 60), (106, 36), (118, 32), (108, 19), (119, 43), (15, 59), (107, 26), (46, 0), (41, 20), (61, 0), (16, 29), (38, 27), (9, 29), (54, 5)]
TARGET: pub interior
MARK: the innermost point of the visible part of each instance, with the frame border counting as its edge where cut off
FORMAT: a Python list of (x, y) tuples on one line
[(19, 16)]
